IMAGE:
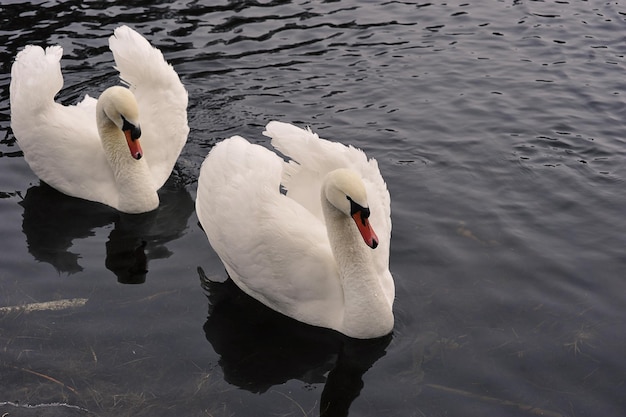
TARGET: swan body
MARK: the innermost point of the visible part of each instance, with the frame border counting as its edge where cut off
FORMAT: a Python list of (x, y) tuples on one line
[(318, 253), (117, 150)]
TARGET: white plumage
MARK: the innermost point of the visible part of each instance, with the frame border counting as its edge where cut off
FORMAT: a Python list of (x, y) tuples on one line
[(63, 145), (302, 253)]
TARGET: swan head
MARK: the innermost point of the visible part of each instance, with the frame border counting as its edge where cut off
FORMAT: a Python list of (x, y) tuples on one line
[(119, 106), (344, 189)]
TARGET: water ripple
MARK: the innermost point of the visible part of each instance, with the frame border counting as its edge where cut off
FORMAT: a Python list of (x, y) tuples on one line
[(499, 129)]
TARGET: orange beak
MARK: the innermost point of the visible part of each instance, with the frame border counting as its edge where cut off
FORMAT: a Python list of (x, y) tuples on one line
[(133, 145), (363, 224)]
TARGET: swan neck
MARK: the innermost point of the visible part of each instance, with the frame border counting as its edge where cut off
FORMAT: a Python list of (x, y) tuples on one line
[(364, 297), (137, 193)]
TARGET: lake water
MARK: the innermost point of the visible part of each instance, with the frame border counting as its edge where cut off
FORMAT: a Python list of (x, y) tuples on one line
[(499, 128)]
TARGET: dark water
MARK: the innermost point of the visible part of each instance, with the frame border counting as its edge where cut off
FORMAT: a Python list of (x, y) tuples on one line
[(499, 127)]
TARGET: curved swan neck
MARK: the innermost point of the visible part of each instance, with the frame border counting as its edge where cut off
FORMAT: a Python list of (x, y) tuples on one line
[(363, 294), (137, 193)]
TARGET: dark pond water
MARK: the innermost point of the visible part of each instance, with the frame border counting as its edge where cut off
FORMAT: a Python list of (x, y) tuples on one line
[(499, 127)]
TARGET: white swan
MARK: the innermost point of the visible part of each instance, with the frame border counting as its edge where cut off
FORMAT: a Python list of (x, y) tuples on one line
[(308, 254), (92, 150)]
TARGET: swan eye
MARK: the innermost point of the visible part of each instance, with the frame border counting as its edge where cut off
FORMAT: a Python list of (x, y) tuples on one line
[(355, 208), (135, 131)]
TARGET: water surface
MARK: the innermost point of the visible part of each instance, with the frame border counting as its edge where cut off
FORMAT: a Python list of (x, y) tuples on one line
[(499, 130)]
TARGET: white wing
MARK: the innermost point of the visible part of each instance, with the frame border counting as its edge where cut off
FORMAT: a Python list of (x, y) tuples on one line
[(312, 158), (60, 143), (161, 97), (238, 185)]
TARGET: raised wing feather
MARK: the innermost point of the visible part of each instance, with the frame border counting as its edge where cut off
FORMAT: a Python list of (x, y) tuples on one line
[(312, 158), (58, 141), (161, 97)]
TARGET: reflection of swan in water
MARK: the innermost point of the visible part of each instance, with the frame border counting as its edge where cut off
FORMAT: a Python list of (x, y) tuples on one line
[(260, 348), (52, 221)]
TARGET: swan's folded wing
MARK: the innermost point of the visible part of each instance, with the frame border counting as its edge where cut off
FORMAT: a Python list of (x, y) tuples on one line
[(274, 249), (312, 158), (161, 97)]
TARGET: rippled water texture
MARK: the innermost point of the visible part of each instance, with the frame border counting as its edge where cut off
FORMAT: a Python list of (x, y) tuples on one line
[(499, 129)]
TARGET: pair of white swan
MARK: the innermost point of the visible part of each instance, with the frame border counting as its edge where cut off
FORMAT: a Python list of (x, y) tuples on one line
[(318, 252)]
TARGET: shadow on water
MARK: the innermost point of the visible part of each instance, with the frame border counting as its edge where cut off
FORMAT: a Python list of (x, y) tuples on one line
[(52, 221), (260, 348)]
